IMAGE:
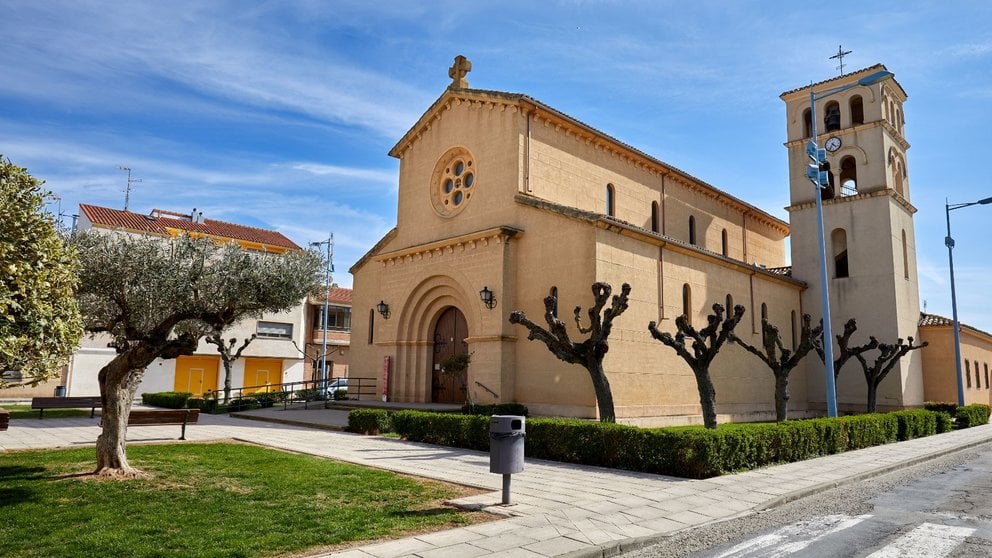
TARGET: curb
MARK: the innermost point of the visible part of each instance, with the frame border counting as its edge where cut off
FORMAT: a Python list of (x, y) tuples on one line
[(290, 422)]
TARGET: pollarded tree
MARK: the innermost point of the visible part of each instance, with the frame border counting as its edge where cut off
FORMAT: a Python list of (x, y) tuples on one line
[(781, 360), (588, 353), (886, 360), (155, 298), (40, 325), (847, 351), (716, 332), (228, 355)]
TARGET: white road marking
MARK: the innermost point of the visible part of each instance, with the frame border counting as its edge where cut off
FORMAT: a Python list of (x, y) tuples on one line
[(926, 541), (807, 532)]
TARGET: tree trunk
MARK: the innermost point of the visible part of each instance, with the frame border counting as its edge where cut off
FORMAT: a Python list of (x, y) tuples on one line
[(604, 396), (227, 381), (118, 383), (872, 395), (781, 397), (707, 397)]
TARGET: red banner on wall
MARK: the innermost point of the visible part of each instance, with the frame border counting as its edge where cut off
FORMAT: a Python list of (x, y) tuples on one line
[(385, 378)]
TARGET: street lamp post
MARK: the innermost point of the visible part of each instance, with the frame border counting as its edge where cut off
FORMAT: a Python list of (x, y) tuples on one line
[(949, 242), (327, 295), (821, 180)]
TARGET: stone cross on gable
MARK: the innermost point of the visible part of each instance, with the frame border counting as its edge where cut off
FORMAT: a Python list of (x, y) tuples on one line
[(457, 72)]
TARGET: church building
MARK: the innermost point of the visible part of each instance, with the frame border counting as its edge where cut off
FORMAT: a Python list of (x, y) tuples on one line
[(504, 200)]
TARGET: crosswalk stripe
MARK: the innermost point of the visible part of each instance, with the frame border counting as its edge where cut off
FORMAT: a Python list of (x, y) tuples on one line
[(928, 540), (811, 531)]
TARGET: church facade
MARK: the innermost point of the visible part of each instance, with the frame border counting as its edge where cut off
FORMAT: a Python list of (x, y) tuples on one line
[(504, 200)]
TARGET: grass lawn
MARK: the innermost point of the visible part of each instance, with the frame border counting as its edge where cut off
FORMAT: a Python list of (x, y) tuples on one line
[(25, 411), (219, 499)]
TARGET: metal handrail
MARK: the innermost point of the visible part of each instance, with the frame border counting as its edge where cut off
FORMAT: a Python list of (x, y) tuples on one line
[(304, 391)]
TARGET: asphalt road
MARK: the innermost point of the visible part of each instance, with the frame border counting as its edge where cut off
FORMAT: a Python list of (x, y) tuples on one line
[(938, 509)]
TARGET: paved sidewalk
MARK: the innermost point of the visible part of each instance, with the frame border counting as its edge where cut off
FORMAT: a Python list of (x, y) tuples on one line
[(559, 509)]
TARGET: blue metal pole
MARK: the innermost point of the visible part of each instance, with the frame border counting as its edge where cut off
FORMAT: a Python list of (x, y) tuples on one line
[(949, 242), (828, 338)]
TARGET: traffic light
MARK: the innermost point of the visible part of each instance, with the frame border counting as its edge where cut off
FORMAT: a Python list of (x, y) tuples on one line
[(818, 171)]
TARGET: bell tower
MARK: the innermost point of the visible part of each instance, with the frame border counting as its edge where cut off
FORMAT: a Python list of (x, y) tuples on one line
[(868, 226)]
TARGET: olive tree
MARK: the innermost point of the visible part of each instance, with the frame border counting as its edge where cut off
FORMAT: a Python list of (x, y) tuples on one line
[(40, 325), (228, 354), (155, 298), (590, 352)]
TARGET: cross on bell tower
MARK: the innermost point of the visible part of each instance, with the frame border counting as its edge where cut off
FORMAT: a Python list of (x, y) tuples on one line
[(458, 71)]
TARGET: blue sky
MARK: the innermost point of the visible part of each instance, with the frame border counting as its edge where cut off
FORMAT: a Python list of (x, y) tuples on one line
[(280, 114)]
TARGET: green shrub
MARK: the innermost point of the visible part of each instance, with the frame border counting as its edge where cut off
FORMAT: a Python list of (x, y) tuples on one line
[(916, 423), (972, 415), (236, 404), (167, 399), (340, 394), (460, 431), (945, 422), (370, 421), (941, 407), (498, 409), (309, 394)]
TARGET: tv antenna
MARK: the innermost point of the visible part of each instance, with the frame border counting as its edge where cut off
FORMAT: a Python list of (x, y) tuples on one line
[(130, 181)]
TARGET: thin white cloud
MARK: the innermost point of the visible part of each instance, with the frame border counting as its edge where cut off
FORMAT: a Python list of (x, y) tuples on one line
[(388, 177)]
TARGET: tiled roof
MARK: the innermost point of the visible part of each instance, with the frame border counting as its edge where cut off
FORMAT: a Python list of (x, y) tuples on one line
[(933, 320), (876, 67), (338, 295), (159, 221)]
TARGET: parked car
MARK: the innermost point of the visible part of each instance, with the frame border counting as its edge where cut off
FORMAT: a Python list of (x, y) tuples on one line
[(336, 385)]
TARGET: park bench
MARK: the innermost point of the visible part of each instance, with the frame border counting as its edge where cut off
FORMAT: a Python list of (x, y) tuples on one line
[(4, 419), (42, 403), (164, 417)]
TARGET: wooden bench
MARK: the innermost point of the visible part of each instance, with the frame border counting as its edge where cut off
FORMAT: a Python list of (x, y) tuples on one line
[(42, 403), (4, 419), (164, 417)]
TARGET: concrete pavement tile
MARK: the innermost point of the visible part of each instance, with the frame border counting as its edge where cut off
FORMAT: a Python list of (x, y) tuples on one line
[(514, 553), (661, 525), (353, 553), (616, 518), (493, 528), (540, 533), (689, 517), (557, 546), (394, 549), (647, 512), (504, 541), (448, 538), (635, 531), (463, 550), (603, 507)]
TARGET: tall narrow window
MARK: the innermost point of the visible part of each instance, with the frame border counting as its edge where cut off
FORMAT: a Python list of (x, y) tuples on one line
[(371, 325), (611, 200), (978, 379), (967, 372), (905, 256), (986, 375), (725, 244), (730, 304), (898, 175), (807, 124), (848, 176), (687, 302), (839, 240), (764, 312), (554, 294), (655, 218), (692, 230), (857, 110), (795, 334)]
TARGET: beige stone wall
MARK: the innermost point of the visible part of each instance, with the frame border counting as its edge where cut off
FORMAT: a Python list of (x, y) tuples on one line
[(938, 361)]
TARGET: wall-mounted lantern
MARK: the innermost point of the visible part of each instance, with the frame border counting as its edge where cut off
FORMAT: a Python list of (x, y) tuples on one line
[(487, 298), (383, 309)]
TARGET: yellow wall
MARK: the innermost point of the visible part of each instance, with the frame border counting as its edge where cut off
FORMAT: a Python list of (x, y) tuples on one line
[(262, 372), (196, 374)]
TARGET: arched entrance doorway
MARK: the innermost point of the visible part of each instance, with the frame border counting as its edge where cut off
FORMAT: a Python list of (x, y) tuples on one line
[(449, 340)]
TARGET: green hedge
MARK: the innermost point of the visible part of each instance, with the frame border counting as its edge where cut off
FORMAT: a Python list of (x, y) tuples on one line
[(941, 407), (972, 415), (167, 399), (945, 422), (691, 451), (498, 409), (370, 421)]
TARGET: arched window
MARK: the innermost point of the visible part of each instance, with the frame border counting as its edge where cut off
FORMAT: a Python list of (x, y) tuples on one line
[(857, 110), (554, 294), (839, 240), (807, 124), (764, 312), (730, 304), (898, 176), (725, 243), (885, 108), (986, 375), (687, 302), (905, 256), (978, 379), (371, 324), (655, 218), (692, 230), (967, 372), (831, 116), (795, 334), (848, 176), (610, 200)]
